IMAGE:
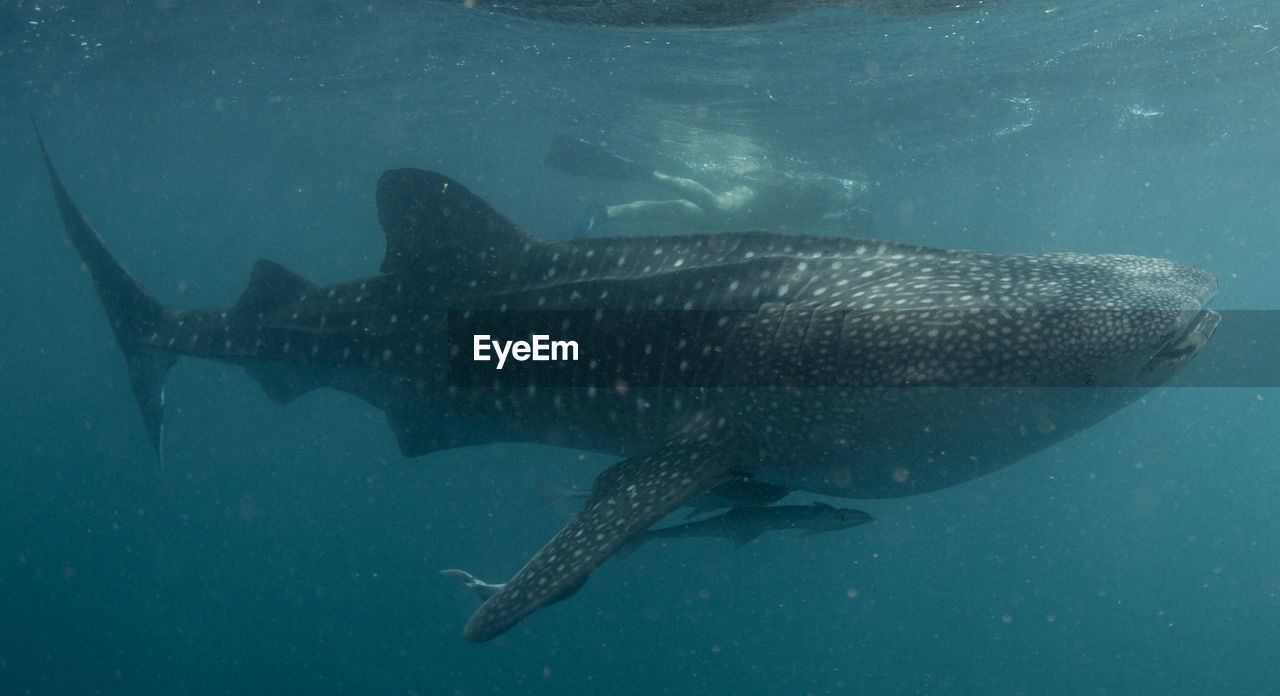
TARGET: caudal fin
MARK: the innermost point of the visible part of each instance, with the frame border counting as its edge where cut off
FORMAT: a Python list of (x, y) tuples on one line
[(134, 313)]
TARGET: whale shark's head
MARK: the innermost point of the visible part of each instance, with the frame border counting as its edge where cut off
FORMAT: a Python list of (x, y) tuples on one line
[(1151, 319), (965, 319), (1129, 321), (1133, 321), (1184, 324)]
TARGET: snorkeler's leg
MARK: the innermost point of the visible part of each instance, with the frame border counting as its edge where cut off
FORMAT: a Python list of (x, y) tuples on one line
[(697, 193), (682, 211)]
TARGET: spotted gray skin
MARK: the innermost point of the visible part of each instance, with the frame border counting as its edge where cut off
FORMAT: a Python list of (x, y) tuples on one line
[(738, 492), (739, 525), (382, 338)]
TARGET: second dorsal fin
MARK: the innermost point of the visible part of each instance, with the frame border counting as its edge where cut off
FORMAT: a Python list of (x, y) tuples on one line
[(271, 285)]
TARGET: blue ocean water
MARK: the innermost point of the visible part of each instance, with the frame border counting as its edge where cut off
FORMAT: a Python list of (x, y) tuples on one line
[(293, 550)]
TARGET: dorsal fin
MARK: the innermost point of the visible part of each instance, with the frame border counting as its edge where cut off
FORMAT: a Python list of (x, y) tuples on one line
[(271, 285), (433, 222)]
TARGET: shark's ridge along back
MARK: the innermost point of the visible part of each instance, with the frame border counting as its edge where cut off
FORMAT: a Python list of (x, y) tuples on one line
[(384, 339)]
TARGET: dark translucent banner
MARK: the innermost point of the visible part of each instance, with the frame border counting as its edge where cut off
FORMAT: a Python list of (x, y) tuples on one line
[(792, 348)]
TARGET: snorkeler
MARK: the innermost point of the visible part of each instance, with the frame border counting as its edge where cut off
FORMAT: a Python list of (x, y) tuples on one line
[(765, 202)]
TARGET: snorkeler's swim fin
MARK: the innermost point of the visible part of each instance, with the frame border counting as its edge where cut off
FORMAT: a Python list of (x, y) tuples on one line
[(593, 220), (585, 158)]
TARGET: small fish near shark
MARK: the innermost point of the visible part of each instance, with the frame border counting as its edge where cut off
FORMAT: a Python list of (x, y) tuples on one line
[(963, 362), (744, 523), (739, 524)]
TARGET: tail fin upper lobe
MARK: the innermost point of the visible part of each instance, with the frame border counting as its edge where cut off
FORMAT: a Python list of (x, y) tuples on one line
[(134, 313)]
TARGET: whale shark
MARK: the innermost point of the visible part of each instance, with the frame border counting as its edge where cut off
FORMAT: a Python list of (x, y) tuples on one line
[(904, 368)]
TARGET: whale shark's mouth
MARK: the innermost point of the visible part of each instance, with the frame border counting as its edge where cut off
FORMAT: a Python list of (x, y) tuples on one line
[(1192, 338), (1184, 346)]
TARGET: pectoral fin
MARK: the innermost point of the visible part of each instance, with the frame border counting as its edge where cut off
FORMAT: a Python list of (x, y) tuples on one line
[(626, 499)]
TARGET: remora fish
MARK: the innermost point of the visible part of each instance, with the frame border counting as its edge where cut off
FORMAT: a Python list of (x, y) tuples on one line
[(484, 590), (384, 339), (742, 524)]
